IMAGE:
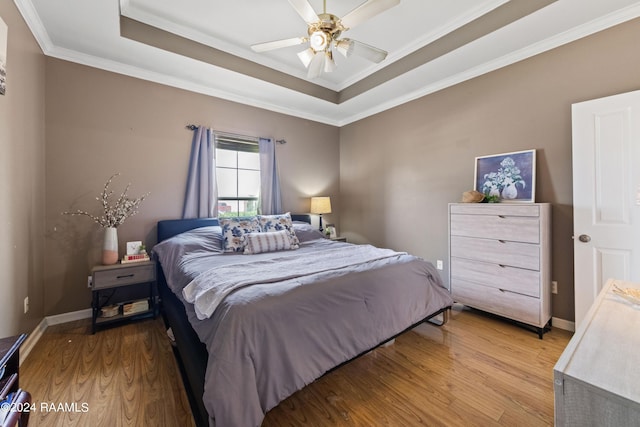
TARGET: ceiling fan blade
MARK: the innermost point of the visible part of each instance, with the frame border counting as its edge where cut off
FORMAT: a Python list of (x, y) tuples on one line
[(364, 50), (305, 10), (263, 47), (366, 11)]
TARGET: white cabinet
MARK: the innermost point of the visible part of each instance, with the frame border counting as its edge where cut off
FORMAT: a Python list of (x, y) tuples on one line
[(500, 259), (596, 378)]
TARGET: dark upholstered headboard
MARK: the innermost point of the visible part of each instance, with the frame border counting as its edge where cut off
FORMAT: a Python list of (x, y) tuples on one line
[(170, 227)]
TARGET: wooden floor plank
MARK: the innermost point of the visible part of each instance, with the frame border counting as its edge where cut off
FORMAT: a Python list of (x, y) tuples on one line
[(476, 370)]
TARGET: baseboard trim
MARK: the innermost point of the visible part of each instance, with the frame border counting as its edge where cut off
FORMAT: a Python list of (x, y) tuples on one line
[(47, 321), (68, 317), (32, 339), (567, 325)]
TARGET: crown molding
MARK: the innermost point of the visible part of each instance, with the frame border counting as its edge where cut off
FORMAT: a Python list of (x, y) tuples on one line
[(335, 115)]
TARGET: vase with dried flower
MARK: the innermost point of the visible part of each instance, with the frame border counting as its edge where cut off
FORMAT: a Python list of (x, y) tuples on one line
[(113, 215)]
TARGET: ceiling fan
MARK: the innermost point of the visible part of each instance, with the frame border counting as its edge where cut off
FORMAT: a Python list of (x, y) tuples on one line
[(324, 31)]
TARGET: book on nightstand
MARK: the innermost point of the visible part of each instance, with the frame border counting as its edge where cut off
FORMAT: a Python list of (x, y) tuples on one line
[(135, 307), (134, 258)]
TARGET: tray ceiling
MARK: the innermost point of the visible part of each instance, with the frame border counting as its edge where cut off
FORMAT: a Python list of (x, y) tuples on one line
[(204, 46)]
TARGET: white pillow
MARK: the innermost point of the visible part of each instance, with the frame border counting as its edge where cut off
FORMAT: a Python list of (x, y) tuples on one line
[(270, 241)]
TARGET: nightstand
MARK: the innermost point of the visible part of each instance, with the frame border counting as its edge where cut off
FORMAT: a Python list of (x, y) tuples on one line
[(124, 291), (339, 239)]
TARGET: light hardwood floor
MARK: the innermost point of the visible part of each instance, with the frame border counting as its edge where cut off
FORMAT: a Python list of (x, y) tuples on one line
[(476, 370), (125, 375)]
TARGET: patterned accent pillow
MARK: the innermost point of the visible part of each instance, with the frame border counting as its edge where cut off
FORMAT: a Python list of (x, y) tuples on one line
[(277, 223), (234, 231), (271, 241)]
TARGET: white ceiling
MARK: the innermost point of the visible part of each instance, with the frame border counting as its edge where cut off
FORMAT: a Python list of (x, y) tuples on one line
[(88, 32)]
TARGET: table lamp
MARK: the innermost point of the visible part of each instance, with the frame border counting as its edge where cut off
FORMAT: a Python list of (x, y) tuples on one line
[(319, 206)]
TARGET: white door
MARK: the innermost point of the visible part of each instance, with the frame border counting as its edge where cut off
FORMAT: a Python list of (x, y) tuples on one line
[(606, 194)]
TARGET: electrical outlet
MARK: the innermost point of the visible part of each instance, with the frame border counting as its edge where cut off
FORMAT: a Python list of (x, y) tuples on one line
[(439, 264), (26, 305), (554, 287), (89, 281)]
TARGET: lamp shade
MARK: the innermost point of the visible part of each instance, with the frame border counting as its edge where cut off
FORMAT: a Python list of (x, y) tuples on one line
[(320, 205)]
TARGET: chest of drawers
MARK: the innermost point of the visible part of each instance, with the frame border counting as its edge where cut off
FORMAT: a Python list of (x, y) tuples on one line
[(500, 259)]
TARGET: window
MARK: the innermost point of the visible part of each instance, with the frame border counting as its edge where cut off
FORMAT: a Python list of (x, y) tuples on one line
[(237, 175)]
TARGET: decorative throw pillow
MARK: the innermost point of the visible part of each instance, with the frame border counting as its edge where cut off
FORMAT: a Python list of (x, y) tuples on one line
[(267, 242), (234, 231), (279, 222)]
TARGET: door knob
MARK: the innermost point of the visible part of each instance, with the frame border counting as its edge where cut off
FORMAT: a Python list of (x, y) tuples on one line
[(584, 238)]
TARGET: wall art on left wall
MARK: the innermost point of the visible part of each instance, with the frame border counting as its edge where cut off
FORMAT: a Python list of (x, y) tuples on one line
[(3, 57)]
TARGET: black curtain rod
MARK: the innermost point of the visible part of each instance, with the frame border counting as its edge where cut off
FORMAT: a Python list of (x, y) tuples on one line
[(194, 127)]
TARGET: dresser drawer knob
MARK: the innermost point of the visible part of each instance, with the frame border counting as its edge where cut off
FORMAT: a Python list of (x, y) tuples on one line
[(126, 276), (502, 241)]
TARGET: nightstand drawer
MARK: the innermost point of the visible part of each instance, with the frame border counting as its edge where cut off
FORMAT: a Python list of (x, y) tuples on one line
[(108, 278)]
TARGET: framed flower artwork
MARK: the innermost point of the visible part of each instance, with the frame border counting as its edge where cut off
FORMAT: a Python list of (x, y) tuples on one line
[(510, 177)]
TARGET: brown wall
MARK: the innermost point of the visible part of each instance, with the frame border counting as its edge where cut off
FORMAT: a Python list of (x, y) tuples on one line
[(400, 168), (99, 123), (22, 147)]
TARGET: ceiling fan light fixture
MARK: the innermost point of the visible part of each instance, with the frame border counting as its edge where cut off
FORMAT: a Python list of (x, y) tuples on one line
[(345, 47), (319, 40), (306, 56), (317, 65), (329, 63), (324, 31)]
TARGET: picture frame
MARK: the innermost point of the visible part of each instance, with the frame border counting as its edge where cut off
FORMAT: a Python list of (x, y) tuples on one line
[(331, 231), (133, 248), (509, 176)]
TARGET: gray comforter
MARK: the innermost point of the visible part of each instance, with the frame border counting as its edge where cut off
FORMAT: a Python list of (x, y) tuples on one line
[(268, 339)]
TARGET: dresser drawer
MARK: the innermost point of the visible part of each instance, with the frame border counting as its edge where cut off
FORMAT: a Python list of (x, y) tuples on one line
[(122, 276), (499, 227), (497, 276), (508, 304), (495, 209), (514, 254)]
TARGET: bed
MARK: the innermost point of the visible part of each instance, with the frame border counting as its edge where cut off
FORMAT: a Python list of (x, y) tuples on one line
[(250, 330)]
